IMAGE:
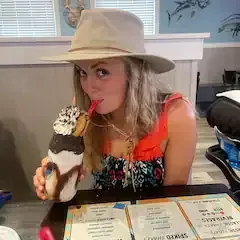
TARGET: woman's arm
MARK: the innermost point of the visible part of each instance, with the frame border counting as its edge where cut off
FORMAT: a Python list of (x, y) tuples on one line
[(181, 145)]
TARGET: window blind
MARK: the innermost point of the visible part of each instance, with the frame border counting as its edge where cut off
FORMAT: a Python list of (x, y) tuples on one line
[(27, 18), (144, 9)]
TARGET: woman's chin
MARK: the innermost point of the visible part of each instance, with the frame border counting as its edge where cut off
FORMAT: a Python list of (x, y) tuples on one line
[(102, 111)]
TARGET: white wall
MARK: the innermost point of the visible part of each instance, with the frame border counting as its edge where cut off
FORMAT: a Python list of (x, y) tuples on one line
[(215, 59)]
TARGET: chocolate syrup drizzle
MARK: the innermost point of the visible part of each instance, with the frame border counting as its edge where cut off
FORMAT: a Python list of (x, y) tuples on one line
[(62, 179), (69, 143)]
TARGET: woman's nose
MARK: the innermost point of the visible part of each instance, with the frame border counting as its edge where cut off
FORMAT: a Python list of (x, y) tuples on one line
[(92, 83), (92, 80)]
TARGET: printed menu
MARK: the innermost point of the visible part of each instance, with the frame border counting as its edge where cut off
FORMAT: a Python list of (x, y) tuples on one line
[(159, 220), (97, 222), (202, 217), (213, 218)]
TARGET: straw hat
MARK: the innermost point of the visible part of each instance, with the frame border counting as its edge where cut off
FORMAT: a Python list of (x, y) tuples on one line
[(106, 33)]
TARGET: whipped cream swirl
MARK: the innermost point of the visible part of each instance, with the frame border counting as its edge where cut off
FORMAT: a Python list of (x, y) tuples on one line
[(66, 122)]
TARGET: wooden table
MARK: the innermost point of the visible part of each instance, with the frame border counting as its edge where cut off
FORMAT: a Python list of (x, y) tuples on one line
[(26, 217)]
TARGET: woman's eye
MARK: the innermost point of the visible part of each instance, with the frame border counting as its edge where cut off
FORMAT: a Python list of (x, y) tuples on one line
[(102, 72), (82, 73)]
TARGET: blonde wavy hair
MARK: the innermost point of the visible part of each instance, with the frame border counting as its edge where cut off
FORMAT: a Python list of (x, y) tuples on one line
[(144, 98)]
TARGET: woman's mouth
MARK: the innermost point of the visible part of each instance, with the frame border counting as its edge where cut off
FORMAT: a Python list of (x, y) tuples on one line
[(93, 106)]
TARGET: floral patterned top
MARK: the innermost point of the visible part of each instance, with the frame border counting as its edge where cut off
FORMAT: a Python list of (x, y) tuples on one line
[(147, 168)]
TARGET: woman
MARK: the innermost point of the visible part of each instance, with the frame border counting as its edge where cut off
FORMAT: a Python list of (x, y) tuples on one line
[(140, 136)]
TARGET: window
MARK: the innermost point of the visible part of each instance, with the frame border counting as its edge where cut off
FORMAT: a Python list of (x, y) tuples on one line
[(144, 9), (27, 18)]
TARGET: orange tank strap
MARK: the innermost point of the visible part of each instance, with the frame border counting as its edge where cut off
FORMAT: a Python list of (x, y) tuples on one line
[(149, 146), (163, 116)]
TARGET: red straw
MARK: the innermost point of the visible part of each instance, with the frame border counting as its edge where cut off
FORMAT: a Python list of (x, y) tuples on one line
[(93, 107)]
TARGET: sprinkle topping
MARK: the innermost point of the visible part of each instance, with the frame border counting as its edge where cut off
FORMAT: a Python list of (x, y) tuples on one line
[(66, 122)]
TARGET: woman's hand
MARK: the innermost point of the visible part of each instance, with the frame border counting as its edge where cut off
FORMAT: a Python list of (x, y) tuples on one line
[(39, 179), (82, 174)]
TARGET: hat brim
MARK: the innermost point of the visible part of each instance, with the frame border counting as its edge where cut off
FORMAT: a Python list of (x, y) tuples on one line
[(159, 64)]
